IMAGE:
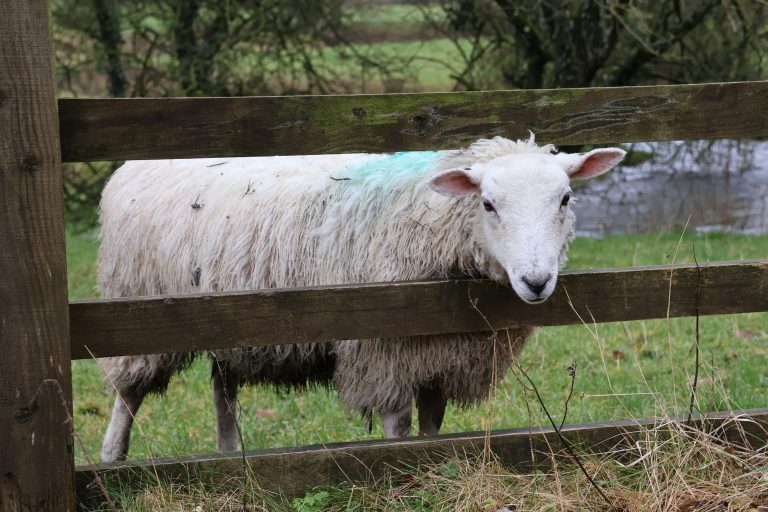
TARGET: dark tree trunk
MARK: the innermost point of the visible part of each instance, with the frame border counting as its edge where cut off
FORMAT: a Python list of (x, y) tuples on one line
[(196, 54), (184, 36), (112, 41)]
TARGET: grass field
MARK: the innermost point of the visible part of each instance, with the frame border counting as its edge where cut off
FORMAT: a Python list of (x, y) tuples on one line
[(631, 369)]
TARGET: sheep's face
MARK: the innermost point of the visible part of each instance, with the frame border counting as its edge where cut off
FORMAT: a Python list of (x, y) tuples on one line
[(523, 211)]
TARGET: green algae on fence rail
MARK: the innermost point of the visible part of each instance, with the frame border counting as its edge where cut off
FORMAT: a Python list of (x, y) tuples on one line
[(141, 128)]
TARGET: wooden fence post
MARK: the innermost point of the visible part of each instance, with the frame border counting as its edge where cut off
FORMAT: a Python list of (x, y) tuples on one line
[(36, 451)]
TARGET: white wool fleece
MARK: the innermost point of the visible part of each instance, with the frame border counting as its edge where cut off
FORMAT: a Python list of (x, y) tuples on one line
[(180, 226)]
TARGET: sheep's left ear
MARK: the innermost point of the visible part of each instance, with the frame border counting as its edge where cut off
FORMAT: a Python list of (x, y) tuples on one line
[(582, 166), (455, 183)]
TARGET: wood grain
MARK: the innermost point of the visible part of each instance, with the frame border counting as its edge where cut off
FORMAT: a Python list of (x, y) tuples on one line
[(122, 129), (36, 458), (294, 471), (242, 319)]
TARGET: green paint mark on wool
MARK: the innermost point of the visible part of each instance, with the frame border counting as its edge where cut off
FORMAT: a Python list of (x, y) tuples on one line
[(396, 166)]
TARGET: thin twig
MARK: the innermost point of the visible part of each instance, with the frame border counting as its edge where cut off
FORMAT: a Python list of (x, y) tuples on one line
[(695, 383), (571, 451), (572, 375), (669, 309), (248, 189)]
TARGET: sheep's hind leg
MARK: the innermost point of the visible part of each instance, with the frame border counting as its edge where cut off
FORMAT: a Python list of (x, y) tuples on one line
[(397, 423), (430, 402), (118, 436), (225, 398)]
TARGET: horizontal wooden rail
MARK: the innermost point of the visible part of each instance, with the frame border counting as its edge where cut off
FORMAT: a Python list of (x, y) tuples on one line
[(142, 128), (190, 323), (294, 471)]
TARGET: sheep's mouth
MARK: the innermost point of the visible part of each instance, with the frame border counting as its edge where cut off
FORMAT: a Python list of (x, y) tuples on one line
[(530, 298)]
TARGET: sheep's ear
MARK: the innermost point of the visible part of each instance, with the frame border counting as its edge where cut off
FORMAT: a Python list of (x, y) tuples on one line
[(582, 166), (455, 183)]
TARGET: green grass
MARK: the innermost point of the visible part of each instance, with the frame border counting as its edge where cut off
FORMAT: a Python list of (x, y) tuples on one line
[(627, 369), (414, 65), (394, 15), (81, 264), (427, 65)]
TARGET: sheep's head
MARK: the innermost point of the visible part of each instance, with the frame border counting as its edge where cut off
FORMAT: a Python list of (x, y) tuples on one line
[(523, 213)]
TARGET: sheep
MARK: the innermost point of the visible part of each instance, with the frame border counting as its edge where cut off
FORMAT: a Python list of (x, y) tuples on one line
[(499, 209)]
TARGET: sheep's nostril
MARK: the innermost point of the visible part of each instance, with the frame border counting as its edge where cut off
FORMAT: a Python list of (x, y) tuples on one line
[(537, 284)]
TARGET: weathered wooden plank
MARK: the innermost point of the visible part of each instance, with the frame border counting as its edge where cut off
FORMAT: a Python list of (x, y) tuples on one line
[(293, 471), (36, 459), (122, 129), (198, 322)]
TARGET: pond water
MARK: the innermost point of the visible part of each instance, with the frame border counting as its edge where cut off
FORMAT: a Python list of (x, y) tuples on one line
[(720, 185)]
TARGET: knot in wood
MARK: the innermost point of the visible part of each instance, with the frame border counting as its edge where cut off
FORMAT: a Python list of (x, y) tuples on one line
[(30, 164), (422, 123), (25, 414)]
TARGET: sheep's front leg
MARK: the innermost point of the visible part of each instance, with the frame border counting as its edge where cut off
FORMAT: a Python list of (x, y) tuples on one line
[(431, 402), (118, 436), (397, 423), (225, 399)]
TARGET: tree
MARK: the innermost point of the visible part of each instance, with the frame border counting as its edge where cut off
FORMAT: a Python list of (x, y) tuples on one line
[(577, 43), (194, 47)]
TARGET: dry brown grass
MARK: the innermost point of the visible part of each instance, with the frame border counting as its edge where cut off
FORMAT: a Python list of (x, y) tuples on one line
[(669, 468), (672, 467)]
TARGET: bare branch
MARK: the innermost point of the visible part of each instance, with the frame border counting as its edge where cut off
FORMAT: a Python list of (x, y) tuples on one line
[(644, 54)]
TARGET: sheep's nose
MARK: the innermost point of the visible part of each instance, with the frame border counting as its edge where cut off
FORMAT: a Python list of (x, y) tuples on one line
[(537, 284)]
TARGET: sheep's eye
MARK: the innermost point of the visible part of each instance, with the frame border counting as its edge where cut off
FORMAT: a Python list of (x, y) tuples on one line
[(566, 199), (488, 206)]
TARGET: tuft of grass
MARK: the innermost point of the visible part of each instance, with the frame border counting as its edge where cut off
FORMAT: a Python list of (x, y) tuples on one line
[(237, 496), (669, 468)]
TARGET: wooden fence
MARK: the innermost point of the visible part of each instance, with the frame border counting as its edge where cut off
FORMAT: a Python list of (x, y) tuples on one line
[(41, 332)]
